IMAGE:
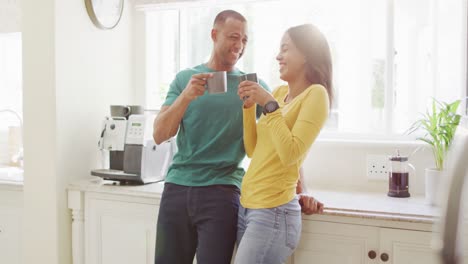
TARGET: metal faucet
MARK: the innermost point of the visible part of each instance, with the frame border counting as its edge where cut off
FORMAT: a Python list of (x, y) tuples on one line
[(17, 158)]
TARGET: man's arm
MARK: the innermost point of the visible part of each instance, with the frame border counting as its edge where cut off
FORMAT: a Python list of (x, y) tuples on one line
[(167, 123), (309, 204)]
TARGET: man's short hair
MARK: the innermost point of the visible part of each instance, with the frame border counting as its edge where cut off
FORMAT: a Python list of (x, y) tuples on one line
[(224, 15)]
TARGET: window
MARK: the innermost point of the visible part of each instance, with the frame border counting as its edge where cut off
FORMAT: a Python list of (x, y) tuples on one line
[(163, 56), (389, 56), (10, 91)]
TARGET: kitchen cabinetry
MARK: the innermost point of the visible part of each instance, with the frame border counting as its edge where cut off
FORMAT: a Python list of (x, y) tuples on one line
[(117, 230), (124, 234), (325, 242), (11, 204), (406, 246), (114, 224)]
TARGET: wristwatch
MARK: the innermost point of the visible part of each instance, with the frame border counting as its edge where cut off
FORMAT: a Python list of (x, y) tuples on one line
[(270, 107)]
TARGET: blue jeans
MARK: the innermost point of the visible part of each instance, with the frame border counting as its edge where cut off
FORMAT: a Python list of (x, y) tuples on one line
[(201, 220), (268, 236)]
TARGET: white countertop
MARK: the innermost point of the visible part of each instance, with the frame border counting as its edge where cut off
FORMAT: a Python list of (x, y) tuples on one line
[(340, 203), (11, 185), (11, 177), (373, 205), (95, 184)]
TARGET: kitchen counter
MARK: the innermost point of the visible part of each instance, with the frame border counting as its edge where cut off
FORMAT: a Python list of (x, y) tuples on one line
[(95, 184), (9, 185), (367, 205), (11, 177), (377, 206)]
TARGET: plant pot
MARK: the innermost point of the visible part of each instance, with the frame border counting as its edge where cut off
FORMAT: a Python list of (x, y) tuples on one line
[(433, 181)]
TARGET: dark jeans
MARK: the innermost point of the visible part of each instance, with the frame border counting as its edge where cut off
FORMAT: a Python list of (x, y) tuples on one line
[(201, 220)]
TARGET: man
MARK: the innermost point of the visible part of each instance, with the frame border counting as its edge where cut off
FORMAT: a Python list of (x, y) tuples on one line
[(198, 209), (200, 201)]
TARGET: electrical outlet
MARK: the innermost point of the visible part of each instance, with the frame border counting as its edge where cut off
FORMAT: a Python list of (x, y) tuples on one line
[(377, 167)]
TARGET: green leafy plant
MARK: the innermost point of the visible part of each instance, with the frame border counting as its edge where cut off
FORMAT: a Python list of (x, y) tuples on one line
[(439, 126)]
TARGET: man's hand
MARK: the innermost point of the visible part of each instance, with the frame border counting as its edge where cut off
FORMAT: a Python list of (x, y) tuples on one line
[(196, 86), (309, 204)]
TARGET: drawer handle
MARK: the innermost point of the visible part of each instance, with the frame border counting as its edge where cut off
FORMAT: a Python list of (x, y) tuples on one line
[(372, 254), (384, 257)]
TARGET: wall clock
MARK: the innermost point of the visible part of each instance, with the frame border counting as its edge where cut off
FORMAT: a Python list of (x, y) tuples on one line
[(105, 14)]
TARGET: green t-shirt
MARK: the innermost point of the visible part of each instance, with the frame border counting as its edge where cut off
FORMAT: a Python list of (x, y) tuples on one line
[(210, 138)]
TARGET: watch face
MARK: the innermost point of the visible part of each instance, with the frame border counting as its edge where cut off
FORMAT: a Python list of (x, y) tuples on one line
[(271, 106)]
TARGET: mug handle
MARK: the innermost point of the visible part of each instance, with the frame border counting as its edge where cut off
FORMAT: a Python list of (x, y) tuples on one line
[(129, 110)]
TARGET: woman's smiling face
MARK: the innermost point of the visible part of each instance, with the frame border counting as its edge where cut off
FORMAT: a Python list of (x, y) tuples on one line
[(290, 59)]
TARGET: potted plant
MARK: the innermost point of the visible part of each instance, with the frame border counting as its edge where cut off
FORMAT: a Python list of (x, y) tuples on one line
[(439, 125)]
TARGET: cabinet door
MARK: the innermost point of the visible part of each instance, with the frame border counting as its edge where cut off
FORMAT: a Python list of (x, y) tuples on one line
[(120, 232), (407, 247), (330, 243), (10, 235)]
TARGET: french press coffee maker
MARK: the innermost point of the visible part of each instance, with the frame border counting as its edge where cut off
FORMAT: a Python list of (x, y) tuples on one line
[(398, 176)]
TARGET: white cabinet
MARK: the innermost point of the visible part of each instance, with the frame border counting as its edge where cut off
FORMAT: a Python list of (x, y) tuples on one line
[(120, 232), (10, 235), (11, 227), (117, 225), (407, 246), (113, 229), (330, 243)]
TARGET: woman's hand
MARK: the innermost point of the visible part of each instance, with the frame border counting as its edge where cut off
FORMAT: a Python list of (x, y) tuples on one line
[(310, 205), (252, 93)]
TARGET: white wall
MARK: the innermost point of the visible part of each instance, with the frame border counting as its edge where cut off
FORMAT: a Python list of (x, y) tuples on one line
[(4, 155), (72, 73), (10, 16), (343, 165)]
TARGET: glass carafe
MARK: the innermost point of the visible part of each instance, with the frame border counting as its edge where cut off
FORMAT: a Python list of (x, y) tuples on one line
[(398, 176)]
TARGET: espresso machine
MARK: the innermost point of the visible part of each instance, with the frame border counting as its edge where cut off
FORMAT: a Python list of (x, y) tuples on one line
[(128, 150)]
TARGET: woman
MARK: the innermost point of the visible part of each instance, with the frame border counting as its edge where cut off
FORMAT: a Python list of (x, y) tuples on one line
[(269, 223)]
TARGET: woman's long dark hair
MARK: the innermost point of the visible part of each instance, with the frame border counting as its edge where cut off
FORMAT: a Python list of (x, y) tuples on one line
[(314, 46)]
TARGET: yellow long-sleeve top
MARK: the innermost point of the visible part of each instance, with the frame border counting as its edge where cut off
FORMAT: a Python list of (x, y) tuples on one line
[(278, 144)]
